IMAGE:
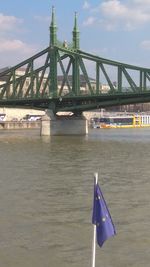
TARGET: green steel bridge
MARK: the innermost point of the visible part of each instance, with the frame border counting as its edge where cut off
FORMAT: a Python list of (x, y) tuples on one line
[(38, 86)]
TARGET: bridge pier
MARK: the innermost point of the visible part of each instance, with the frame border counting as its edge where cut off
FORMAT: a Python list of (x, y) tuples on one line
[(63, 125)]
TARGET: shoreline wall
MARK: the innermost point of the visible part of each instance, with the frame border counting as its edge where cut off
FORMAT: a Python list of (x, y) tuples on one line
[(19, 113), (17, 125)]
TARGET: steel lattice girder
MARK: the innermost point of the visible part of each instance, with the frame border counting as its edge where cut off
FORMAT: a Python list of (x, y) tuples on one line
[(42, 94)]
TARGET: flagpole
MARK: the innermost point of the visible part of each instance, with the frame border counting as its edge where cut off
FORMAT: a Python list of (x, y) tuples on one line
[(94, 229)]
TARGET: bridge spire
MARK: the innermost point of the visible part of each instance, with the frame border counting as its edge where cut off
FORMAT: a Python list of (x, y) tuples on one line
[(53, 29), (76, 33)]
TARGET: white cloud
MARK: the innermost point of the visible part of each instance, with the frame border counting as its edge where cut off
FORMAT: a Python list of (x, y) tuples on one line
[(142, 2), (130, 16), (7, 45), (113, 8), (117, 14), (145, 45), (86, 5), (12, 50), (8, 23), (90, 21)]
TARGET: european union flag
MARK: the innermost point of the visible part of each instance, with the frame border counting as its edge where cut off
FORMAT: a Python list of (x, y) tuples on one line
[(101, 217)]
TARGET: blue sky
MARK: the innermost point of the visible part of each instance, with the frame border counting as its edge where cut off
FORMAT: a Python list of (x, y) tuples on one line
[(118, 30)]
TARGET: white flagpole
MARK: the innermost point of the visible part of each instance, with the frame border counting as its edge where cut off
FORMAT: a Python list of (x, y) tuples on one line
[(94, 230)]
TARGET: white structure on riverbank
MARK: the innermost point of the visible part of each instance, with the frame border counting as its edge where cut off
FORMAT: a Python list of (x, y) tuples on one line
[(18, 113)]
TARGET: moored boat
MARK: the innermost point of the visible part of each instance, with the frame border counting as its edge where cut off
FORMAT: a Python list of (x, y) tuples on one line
[(121, 121)]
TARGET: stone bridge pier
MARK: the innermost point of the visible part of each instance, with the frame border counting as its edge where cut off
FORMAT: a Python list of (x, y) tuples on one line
[(63, 124)]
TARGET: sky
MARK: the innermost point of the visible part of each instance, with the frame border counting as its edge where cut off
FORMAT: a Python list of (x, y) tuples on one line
[(113, 29)]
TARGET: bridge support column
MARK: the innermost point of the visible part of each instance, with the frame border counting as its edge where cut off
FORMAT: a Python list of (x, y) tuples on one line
[(63, 125)]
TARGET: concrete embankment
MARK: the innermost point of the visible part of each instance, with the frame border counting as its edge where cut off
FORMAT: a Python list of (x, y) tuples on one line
[(19, 113), (14, 118), (16, 125)]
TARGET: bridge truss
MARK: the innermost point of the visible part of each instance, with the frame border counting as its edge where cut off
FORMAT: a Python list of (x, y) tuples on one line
[(36, 81)]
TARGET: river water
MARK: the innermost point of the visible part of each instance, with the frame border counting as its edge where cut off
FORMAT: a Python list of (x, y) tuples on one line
[(46, 194)]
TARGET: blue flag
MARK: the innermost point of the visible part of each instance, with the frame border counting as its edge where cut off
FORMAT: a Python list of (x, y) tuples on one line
[(101, 217)]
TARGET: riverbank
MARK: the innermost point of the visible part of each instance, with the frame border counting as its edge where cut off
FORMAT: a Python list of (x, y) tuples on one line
[(18, 125), (18, 114)]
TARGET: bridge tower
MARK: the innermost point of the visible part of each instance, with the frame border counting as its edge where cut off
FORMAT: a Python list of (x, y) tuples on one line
[(76, 34), (53, 30), (51, 125), (53, 56), (76, 46)]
